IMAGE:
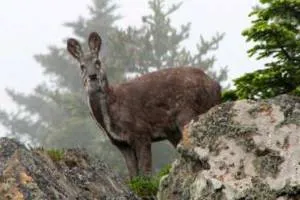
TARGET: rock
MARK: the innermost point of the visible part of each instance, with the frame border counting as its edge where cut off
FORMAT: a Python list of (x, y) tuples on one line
[(70, 175), (243, 150)]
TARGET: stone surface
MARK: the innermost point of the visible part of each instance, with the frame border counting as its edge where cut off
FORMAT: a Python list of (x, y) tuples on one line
[(33, 175), (243, 150)]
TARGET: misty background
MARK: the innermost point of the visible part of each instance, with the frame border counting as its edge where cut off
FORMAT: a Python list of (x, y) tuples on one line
[(30, 27)]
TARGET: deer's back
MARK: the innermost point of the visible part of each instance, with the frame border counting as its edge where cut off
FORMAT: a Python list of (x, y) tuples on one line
[(156, 99)]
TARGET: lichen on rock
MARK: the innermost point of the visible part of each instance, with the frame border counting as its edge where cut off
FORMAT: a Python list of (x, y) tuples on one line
[(33, 175), (239, 150)]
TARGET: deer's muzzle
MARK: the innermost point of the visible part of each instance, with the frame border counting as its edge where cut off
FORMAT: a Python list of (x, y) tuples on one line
[(93, 77)]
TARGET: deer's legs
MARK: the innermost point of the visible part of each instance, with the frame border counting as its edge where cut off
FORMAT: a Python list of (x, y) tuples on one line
[(143, 152), (131, 161)]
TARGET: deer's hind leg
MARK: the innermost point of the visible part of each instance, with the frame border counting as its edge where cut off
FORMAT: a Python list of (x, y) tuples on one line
[(144, 157), (130, 159)]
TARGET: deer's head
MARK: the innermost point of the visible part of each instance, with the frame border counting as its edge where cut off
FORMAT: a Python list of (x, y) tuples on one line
[(93, 76)]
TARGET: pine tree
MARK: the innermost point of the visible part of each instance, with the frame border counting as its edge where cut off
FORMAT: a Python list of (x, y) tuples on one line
[(276, 36), (56, 114)]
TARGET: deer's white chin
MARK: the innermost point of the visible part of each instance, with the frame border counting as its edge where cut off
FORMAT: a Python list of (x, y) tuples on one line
[(93, 88)]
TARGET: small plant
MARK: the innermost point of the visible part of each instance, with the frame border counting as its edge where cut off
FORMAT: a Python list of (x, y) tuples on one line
[(229, 95), (296, 92), (163, 171), (55, 154), (144, 186), (147, 186)]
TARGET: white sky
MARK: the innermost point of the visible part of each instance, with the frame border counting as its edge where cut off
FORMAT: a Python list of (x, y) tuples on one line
[(28, 27)]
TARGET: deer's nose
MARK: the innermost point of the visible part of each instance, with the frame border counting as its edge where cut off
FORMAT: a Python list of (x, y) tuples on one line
[(93, 77)]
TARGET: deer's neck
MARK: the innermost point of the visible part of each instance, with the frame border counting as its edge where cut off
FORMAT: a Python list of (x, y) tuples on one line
[(99, 106)]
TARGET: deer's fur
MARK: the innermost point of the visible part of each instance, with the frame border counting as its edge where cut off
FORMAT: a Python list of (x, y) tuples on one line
[(149, 108)]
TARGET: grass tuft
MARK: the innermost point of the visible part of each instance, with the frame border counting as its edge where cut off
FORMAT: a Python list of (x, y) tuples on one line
[(55, 154), (147, 186)]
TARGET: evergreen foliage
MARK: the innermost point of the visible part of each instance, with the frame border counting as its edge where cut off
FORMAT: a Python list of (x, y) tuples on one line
[(275, 33)]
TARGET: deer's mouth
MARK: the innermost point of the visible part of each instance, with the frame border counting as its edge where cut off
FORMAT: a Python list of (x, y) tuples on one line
[(93, 77)]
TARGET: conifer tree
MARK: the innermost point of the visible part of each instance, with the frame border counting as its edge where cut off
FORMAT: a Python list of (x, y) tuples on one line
[(275, 34)]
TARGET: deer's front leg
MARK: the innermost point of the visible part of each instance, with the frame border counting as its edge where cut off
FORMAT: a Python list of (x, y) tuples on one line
[(144, 157), (131, 160)]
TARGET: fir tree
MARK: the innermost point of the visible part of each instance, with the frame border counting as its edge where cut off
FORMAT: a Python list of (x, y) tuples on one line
[(276, 36)]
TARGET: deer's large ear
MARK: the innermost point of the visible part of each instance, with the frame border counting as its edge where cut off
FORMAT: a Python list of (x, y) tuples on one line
[(95, 42), (74, 48)]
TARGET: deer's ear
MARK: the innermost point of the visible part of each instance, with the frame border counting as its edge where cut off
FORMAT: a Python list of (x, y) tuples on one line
[(74, 48), (95, 42)]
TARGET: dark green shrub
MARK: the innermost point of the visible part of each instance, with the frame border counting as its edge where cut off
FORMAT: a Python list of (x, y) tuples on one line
[(229, 95)]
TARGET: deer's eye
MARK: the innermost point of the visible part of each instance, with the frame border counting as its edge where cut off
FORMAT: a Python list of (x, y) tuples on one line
[(82, 67)]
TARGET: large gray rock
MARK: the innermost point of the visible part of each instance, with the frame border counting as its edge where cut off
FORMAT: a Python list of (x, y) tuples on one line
[(33, 175), (239, 150)]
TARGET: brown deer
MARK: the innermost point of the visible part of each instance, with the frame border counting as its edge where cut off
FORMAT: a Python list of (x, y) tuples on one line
[(150, 108)]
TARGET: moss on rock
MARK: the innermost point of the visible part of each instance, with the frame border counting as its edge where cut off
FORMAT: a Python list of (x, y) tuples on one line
[(259, 191), (268, 163)]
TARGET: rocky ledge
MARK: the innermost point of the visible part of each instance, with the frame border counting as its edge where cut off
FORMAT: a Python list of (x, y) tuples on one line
[(38, 174), (243, 150)]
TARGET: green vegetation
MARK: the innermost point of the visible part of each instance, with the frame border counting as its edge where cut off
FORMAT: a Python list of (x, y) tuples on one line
[(164, 171), (276, 37), (55, 154), (148, 186), (144, 186), (229, 95)]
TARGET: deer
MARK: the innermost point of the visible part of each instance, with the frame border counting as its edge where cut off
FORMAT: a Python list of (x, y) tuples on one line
[(149, 108)]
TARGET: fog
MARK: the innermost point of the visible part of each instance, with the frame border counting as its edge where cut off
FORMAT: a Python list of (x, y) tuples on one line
[(29, 27)]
